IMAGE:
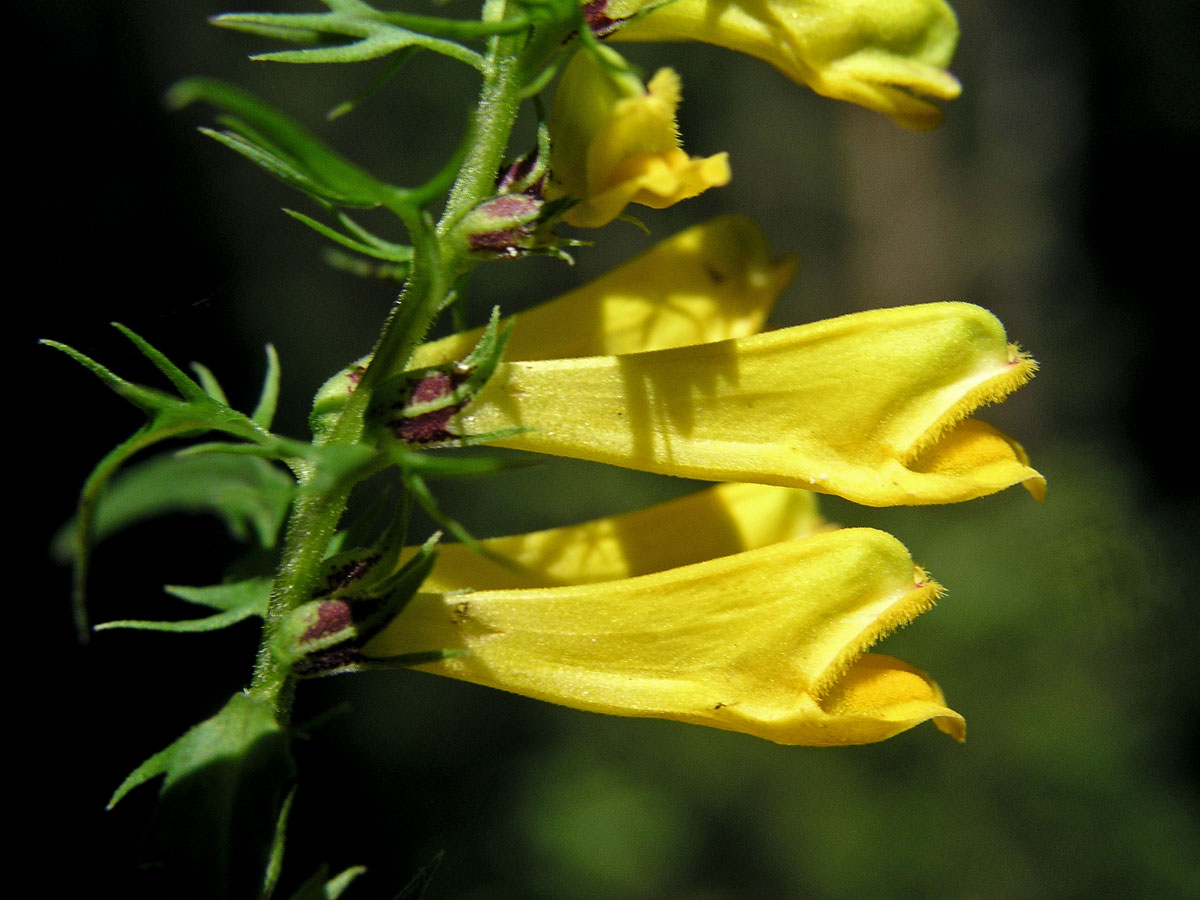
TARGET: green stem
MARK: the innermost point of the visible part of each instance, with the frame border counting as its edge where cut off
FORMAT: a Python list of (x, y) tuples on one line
[(436, 266)]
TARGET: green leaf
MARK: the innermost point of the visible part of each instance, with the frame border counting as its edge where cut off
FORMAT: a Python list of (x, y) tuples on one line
[(178, 626), (365, 269), (377, 34), (340, 464), (194, 413), (146, 399), (237, 600), (209, 382), (240, 722), (278, 841), (284, 147), (188, 389), (317, 888), (420, 491), (225, 783), (250, 494), (275, 165), (432, 464), (268, 400), (250, 593), (399, 253)]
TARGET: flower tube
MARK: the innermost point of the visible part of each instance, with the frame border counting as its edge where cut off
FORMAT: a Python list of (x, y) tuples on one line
[(706, 524), (770, 642), (872, 406)]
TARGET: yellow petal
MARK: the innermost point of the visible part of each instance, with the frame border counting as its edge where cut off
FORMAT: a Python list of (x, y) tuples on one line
[(718, 521), (869, 406), (769, 642), (614, 142), (713, 281), (883, 54)]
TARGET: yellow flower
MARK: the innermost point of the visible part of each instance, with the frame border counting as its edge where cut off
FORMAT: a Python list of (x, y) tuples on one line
[(771, 642), (873, 407), (614, 141), (886, 55), (713, 281), (736, 607)]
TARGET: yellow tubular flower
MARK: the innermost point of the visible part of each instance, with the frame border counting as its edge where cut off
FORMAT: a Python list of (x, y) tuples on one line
[(871, 406), (718, 521), (710, 282), (886, 55), (769, 642), (614, 142)]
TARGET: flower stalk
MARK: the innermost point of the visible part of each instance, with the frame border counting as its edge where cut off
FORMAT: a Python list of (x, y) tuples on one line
[(320, 505)]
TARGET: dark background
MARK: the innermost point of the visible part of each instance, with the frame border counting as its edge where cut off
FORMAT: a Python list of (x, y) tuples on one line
[(1051, 195)]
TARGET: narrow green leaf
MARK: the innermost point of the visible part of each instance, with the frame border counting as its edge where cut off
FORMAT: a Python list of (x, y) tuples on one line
[(209, 382), (365, 269), (338, 883), (431, 464), (187, 388), (317, 887), (274, 165), (179, 626), (391, 252), (425, 498), (373, 47), (250, 594), (268, 400), (156, 765), (75, 540), (368, 237), (146, 399), (275, 860), (291, 33), (302, 150)]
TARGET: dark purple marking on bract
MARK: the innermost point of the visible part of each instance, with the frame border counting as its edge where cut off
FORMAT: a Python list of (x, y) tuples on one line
[(433, 386), (342, 576), (517, 172), (598, 20), (506, 241), (425, 428), (333, 617), (431, 426), (513, 206), (329, 661)]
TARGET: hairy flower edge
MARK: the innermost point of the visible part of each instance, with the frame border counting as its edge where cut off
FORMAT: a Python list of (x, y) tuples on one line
[(770, 642)]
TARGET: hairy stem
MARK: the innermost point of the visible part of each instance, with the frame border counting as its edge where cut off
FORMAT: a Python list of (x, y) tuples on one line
[(436, 266)]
